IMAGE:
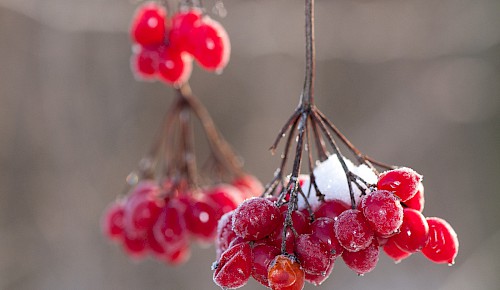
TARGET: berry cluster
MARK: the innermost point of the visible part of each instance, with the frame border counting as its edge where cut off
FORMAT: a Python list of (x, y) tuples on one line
[(258, 240), (160, 219), (165, 48)]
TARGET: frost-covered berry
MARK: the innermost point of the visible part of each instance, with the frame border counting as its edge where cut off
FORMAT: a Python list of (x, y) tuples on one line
[(363, 261), (414, 232), (314, 255), (353, 231), (402, 181), (383, 211), (285, 274), (225, 234), (442, 245), (318, 279), (256, 218), (234, 267), (324, 229)]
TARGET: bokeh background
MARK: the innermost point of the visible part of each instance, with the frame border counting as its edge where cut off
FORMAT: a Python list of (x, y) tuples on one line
[(411, 82)]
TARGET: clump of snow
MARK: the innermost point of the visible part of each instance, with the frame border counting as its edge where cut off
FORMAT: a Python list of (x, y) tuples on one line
[(332, 181)]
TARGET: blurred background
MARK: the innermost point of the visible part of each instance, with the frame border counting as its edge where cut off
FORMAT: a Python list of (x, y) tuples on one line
[(410, 82)]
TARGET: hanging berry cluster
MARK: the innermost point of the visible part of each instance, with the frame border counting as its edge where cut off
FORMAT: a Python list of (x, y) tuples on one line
[(301, 224), (168, 201), (164, 48)]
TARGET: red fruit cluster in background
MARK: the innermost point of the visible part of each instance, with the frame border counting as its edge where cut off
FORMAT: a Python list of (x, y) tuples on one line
[(250, 239), (161, 220), (164, 48)]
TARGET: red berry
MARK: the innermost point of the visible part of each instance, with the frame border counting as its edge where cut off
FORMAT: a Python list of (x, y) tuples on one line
[(225, 197), (234, 267), (331, 209), (363, 261), (112, 222), (135, 246), (183, 24), (211, 47), (144, 63), (225, 233), (442, 245), (313, 254), (174, 68), (324, 229), (142, 209), (394, 252), (383, 212), (417, 202), (299, 223), (402, 181), (249, 185), (201, 219), (179, 256), (414, 231), (318, 279), (148, 24), (262, 255), (285, 274), (353, 231), (255, 218), (170, 227)]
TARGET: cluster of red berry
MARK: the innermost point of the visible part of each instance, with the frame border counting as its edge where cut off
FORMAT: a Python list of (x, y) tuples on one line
[(161, 219), (250, 238), (165, 48)]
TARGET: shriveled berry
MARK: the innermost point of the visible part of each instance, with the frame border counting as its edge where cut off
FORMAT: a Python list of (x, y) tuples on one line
[(417, 202), (414, 232), (112, 222), (262, 256), (313, 254), (394, 252), (225, 233), (383, 211), (174, 68), (324, 229), (353, 231), (285, 274), (255, 218), (148, 24), (402, 181), (211, 47), (363, 261), (234, 267), (442, 245), (331, 209)]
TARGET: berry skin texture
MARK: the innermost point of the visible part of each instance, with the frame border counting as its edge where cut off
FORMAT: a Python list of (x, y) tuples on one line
[(442, 245), (174, 68), (383, 211), (262, 256), (225, 234), (417, 202), (313, 254), (148, 24), (394, 252), (331, 209), (234, 267), (363, 261), (285, 274), (324, 229), (353, 231), (414, 232), (402, 181), (317, 280), (211, 46), (255, 218)]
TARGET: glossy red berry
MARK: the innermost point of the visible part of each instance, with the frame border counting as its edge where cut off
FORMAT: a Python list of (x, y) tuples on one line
[(394, 252), (142, 209), (331, 209), (285, 274), (174, 68), (256, 218), (299, 223), (211, 47), (262, 256), (201, 219), (417, 202), (112, 223), (135, 246), (324, 229), (144, 63), (318, 279), (234, 267), (313, 254), (442, 245), (363, 261), (148, 24), (353, 231), (402, 181), (183, 24), (414, 232), (383, 211)]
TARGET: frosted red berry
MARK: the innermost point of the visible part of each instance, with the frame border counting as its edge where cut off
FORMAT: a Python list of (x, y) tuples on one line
[(211, 47), (442, 245), (174, 68), (414, 232), (148, 24), (285, 274), (313, 254), (324, 229), (225, 233), (353, 231), (402, 181), (256, 218), (363, 261), (417, 202), (383, 211), (394, 252), (262, 256), (234, 267), (331, 209)]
